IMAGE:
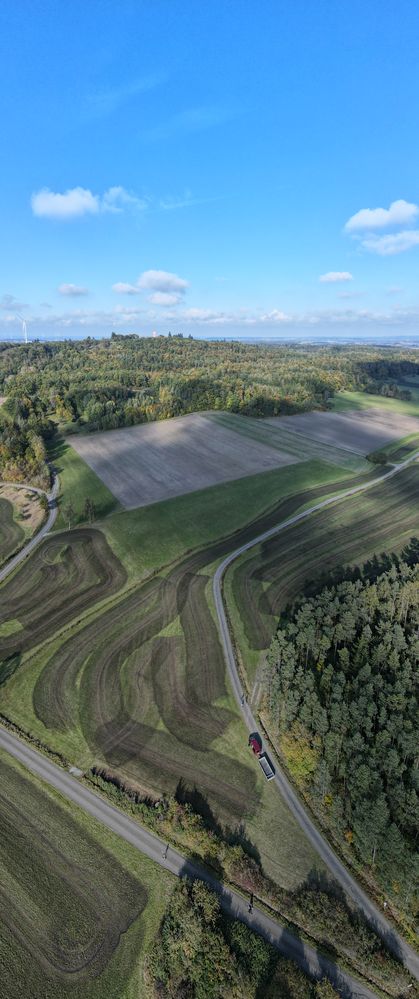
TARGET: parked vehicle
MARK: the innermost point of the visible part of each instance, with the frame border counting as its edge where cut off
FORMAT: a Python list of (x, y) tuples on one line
[(255, 742), (267, 766)]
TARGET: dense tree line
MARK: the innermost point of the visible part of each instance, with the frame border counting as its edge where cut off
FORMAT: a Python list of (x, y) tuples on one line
[(127, 379), (341, 690), (200, 954), (124, 380)]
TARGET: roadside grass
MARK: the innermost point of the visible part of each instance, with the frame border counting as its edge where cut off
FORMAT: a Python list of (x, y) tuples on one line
[(153, 536), (87, 904), (401, 449), (259, 585), (345, 401), (77, 483)]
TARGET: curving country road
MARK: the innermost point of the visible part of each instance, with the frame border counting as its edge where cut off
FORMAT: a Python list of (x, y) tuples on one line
[(34, 542), (320, 844), (290, 946)]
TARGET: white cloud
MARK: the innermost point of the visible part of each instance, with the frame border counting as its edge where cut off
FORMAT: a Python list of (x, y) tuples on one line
[(79, 201), (72, 204), (73, 290), (332, 276), (123, 288), (164, 298), (190, 120), (392, 243), (399, 213), (162, 281)]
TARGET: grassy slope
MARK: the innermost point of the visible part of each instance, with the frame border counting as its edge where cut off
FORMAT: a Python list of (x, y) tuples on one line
[(155, 535), (344, 401), (77, 482), (121, 978)]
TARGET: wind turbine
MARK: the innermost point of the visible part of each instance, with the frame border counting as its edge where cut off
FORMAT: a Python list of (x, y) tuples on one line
[(24, 329)]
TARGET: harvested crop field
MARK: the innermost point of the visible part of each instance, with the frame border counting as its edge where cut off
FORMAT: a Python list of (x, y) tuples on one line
[(70, 911), (151, 462), (11, 534), (260, 585), (139, 688), (361, 431)]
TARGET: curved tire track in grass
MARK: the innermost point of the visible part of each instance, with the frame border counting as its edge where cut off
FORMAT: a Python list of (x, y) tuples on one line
[(320, 844)]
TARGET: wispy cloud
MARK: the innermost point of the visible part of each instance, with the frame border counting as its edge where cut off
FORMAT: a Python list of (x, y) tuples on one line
[(392, 243), (399, 213), (106, 102), (72, 290), (334, 276), (190, 120), (79, 201), (9, 303)]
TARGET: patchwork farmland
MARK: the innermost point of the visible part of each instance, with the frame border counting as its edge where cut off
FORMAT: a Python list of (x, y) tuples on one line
[(132, 677), (79, 906), (151, 462)]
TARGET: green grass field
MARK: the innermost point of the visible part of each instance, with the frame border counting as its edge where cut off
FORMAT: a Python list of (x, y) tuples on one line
[(77, 483), (156, 535), (344, 401), (80, 908)]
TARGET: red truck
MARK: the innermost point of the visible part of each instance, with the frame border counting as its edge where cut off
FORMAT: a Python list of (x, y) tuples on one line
[(255, 743)]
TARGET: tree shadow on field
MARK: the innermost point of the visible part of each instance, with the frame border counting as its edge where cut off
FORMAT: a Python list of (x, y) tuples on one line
[(236, 836)]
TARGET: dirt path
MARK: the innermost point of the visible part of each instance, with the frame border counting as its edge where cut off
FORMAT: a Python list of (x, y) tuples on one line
[(320, 844)]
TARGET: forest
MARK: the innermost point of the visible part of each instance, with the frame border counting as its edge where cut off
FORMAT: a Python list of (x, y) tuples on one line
[(92, 385), (341, 692), (201, 954)]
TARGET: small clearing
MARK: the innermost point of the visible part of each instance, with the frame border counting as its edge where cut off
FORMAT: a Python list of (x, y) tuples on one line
[(361, 431), (154, 461)]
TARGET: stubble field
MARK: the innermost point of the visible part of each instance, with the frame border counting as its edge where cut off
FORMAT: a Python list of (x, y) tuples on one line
[(154, 461), (79, 906)]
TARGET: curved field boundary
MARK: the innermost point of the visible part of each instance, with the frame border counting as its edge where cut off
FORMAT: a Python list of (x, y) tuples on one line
[(339, 871), (11, 534), (35, 541), (65, 899), (306, 957)]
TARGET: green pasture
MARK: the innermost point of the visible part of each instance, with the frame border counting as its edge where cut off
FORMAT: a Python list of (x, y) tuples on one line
[(12, 534), (77, 483), (152, 536), (73, 892), (344, 401)]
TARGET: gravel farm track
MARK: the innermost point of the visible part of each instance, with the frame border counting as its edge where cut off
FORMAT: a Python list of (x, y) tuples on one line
[(147, 703)]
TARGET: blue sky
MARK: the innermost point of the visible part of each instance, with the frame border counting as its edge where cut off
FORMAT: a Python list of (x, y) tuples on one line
[(219, 168)]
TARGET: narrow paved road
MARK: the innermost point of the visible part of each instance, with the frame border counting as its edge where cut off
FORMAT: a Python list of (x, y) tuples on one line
[(290, 946), (37, 538), (339, 871)]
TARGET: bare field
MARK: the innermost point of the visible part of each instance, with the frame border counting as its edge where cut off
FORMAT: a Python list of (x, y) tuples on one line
[(361, 431), (154, 461)]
